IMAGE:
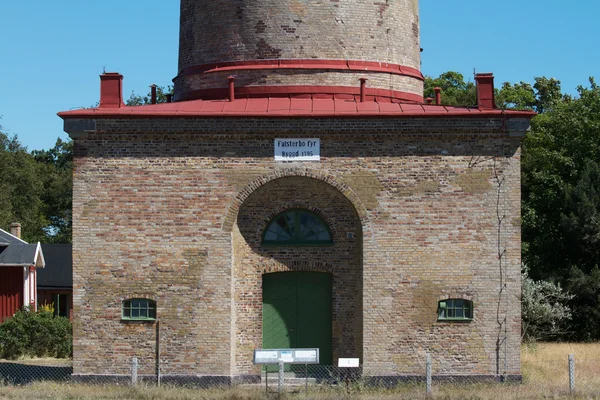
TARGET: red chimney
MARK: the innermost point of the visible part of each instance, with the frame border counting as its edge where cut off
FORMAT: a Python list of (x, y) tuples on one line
[(111, 90), (363, 89), (231, 80), (485, 91), (438, 95)]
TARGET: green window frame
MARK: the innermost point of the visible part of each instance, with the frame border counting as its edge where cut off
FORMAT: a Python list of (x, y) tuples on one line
[(455, 310), (297, 227), (139, 310)]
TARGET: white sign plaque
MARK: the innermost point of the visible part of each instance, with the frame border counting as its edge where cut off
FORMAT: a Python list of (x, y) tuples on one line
[(288, 356), (267, 355), (348, 362), (298, 149), (310, 354)]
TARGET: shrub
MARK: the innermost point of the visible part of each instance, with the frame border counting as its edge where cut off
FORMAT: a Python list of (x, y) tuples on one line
[(36, 334), (544, 309)]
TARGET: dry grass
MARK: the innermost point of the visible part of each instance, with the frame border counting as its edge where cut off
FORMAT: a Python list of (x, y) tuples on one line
[(50, 362), (544, 367)]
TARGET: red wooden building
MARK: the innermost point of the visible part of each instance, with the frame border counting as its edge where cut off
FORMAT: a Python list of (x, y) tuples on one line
[(18, 263)]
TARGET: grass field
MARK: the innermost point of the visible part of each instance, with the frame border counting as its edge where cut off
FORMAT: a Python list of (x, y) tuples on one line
[(544, 368)]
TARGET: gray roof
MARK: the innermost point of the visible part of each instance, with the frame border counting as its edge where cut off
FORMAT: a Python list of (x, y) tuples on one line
[(19, 254), (58, 272), (6, 238)]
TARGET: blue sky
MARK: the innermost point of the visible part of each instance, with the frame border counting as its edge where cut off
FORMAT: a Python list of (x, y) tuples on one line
[(51, 52)]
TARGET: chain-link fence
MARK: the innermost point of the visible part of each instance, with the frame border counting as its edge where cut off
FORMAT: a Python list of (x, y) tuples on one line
[(547, 378)]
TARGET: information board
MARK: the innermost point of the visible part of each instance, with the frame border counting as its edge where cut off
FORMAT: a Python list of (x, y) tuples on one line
[(288, 356)]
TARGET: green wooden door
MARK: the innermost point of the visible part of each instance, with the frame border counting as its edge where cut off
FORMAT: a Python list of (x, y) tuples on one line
[(297, 312)]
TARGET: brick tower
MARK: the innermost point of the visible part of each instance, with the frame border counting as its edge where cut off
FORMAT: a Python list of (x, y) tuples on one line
[(296, 47), (298, 193)]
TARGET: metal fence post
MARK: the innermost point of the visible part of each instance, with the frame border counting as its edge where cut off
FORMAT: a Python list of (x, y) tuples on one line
[(572, 373), (134, 371), (280, 378), (306, 377), (428, 374), (158, 353)]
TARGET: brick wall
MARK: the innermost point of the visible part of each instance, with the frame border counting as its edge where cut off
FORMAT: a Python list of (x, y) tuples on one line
[(172, 210)]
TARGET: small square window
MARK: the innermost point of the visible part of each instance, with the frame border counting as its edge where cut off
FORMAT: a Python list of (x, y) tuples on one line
[(455, 310), (139, 310)]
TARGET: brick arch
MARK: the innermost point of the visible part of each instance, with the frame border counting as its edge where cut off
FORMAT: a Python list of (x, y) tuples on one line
[(273, 266), (344, 189)]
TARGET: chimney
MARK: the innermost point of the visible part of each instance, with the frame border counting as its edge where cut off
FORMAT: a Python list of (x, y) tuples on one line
[(15, 229), (231, 80), (485, 91), (438, 95), (153, 93), (363, 89), (111, 90)]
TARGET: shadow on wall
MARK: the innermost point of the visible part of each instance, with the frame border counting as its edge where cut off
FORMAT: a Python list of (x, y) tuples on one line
[(21, 374)]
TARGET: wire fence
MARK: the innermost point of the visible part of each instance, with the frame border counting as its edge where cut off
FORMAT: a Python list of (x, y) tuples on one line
[(551, 378)]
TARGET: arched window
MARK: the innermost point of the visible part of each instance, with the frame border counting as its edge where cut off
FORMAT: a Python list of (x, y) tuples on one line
[(139, 309), (297, 227), (455, 310)]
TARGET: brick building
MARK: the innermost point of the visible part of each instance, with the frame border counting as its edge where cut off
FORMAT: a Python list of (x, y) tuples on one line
[(298, 192)]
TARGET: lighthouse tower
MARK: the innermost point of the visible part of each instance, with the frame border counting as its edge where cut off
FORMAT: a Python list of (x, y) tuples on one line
[(297, 193), (299, 47)]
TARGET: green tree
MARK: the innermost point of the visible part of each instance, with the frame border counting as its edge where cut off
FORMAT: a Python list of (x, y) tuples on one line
[(558, 158), (36, 190), (57, 197), (455, 91), (548, 92), (586, 303), (561, 199), (161, 97), (21, 187), (518, 96)]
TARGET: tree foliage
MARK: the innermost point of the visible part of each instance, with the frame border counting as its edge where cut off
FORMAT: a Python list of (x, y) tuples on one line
[(36, 190), (514, 96), (161, 97), (455, 91), (560, 186), (57, 173), (21, 187), (544, 309), (561, 199)]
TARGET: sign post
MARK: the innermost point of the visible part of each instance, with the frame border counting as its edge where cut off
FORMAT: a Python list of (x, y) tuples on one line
[(346, 365), (280, 377), (284, 356)]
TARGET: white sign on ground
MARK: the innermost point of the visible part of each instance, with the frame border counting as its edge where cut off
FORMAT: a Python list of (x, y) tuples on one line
[(297, 149)]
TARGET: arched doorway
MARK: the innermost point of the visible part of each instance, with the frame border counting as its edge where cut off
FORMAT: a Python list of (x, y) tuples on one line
[(297, 250)]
